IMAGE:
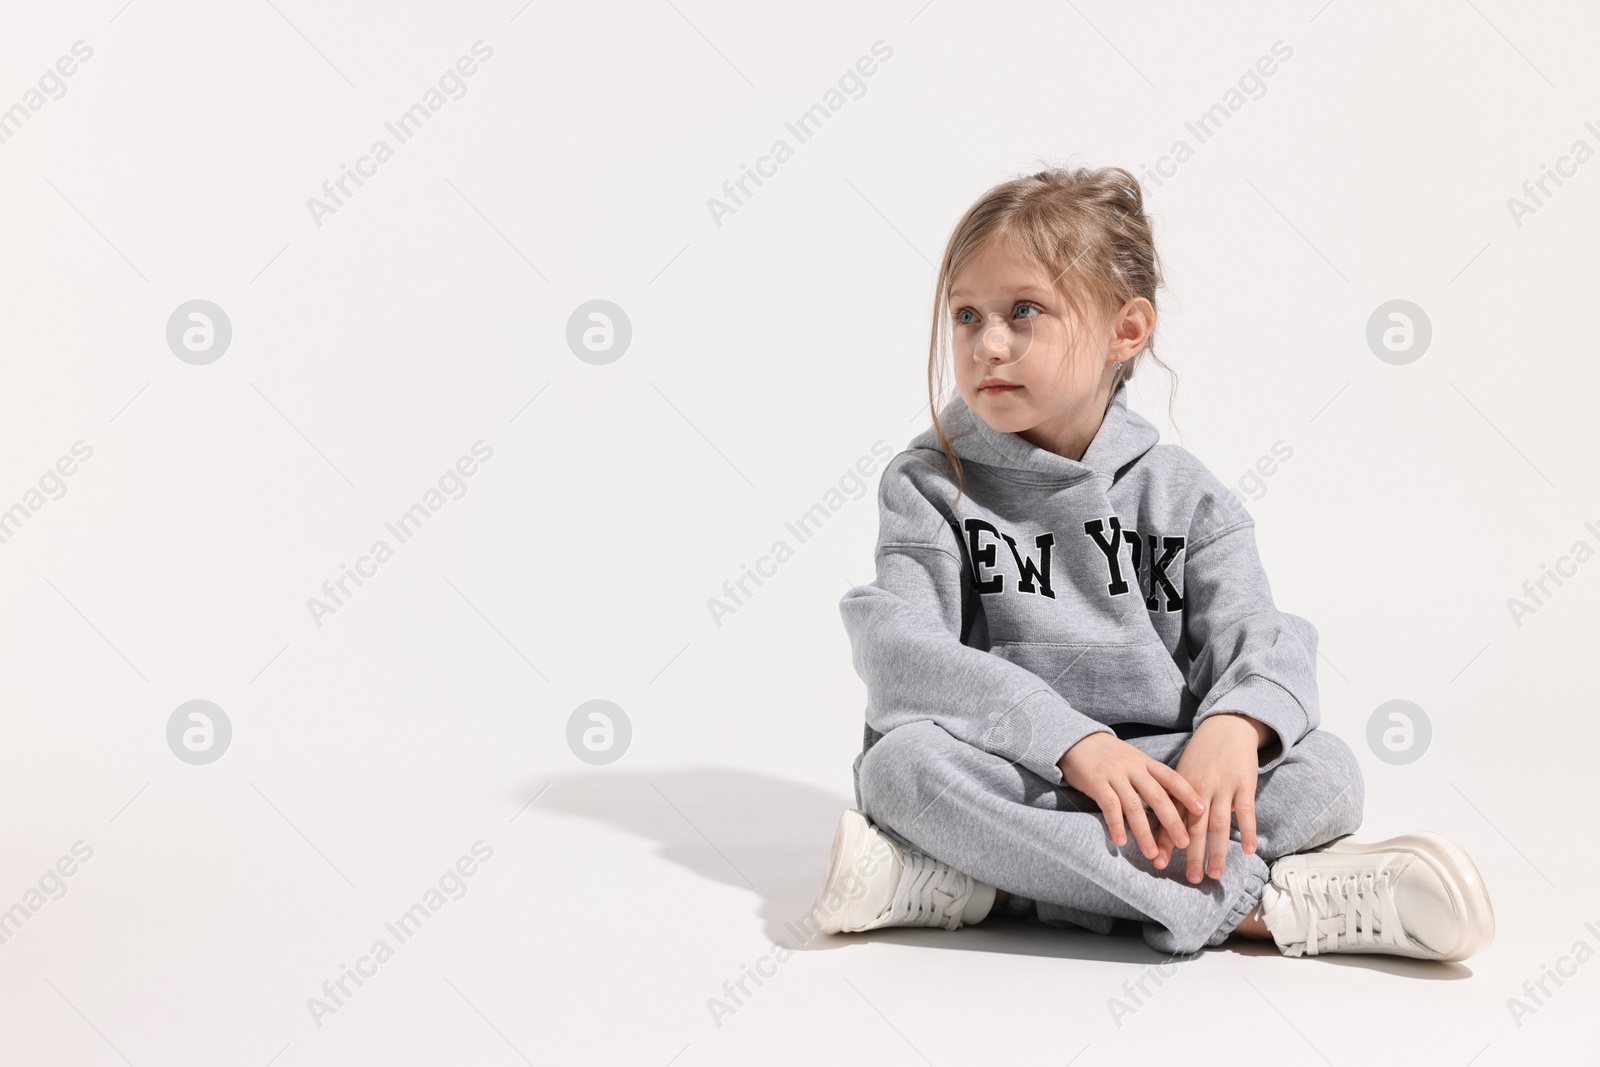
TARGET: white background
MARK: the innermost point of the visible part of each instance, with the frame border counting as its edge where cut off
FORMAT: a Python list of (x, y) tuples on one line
[(768, 355)]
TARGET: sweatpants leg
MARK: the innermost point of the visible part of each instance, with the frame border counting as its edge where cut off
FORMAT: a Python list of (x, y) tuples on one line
[(1049, 845)]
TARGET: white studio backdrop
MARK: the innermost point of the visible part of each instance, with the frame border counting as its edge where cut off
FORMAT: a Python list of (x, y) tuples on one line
[(232, 370)]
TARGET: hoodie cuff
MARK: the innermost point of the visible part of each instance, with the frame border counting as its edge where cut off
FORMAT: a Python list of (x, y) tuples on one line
[(1037, 731), (1268, 703)]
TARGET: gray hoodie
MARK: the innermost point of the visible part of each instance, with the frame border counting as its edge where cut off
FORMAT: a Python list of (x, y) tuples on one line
[(1061, 598)]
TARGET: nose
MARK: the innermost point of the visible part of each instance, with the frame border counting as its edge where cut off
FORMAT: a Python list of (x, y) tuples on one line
[(994, 345)]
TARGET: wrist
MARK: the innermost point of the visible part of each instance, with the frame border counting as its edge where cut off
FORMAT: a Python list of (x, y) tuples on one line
[(1061, 763), (1263, 733)]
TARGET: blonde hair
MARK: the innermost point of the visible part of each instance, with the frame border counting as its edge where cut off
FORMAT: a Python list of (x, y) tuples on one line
[(1086, 227)]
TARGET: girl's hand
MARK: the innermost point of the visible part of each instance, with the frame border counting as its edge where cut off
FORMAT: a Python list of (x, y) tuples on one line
[(1121, 778), (1221, 760)]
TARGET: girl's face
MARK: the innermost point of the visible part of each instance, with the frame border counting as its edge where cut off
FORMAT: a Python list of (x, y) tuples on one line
[(1024, 362)]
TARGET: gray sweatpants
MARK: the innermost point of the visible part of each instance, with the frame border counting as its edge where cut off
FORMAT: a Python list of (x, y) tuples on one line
[(1050, 848)]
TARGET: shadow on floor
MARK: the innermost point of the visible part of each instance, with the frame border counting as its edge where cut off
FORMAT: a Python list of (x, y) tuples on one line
[(771, 836)]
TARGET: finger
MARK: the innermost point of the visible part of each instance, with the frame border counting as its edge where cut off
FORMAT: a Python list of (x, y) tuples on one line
[(1165, 811), (1163, 846), (1138, 822), (1112, 808), (1217, 833), (1178, 786), (1244, 806), (1194, 856)]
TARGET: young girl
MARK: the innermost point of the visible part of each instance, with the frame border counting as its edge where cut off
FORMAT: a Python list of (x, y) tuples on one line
[(1076, 676)]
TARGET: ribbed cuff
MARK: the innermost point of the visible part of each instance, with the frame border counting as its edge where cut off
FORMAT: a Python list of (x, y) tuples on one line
[(1244, 903)]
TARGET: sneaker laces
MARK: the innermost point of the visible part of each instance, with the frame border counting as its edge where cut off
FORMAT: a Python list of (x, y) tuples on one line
[(1352, 913), (930, 893)]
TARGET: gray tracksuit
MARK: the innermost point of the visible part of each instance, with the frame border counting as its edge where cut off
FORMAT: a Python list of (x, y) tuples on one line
[(1122, 593)]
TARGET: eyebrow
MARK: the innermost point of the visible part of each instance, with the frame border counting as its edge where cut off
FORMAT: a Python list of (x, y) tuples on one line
[(1029, 288)]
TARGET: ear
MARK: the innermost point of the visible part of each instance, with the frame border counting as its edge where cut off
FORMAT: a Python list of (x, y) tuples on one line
[(1135, 322)]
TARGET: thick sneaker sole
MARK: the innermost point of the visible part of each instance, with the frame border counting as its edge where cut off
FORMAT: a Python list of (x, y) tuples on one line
[(1468, 894), (848, 838)]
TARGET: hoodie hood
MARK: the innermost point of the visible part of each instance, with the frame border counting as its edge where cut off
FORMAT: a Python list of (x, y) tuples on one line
[(1123, 437)]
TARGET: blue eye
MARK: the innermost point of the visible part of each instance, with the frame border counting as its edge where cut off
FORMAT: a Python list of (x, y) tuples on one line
[(960, 317), (1035, 308)]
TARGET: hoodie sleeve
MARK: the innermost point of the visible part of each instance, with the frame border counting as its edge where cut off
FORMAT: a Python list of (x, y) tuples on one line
[(1245, 654), (906, 637)]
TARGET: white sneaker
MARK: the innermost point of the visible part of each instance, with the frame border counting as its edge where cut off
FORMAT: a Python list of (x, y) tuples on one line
[(1413, 895), (874, 881)]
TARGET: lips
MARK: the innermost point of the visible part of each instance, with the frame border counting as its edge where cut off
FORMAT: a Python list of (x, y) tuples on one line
[(993, 386)]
